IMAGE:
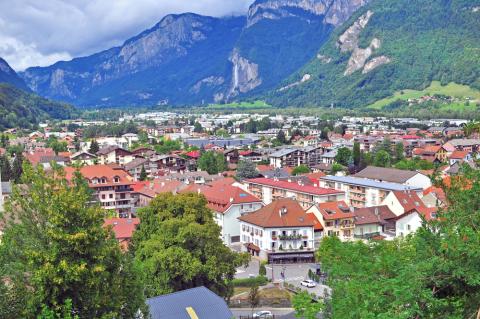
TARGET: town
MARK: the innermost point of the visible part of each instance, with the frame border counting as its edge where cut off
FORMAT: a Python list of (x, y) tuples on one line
[(276, 185)]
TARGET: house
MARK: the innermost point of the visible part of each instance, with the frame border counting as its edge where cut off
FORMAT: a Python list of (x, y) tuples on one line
[(463, 144), (400, 202), (279, 232), (134, 168), (434, 197), (374, 221), (432, 153), (194, 303), (114, 155), (123, 229), (269, 190), (363, 192), (252, 156), (83, 158), (111, 187), (336, 218), (144, 192), (231, 156), (409, 222), (229, 203), (404, 177), (292, 157), (170, 163), (459, 157)]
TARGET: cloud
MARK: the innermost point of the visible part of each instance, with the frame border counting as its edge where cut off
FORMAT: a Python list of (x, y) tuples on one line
[(40, 33)]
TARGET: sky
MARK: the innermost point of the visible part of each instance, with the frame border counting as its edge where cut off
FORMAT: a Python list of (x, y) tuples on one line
[(42, 32)]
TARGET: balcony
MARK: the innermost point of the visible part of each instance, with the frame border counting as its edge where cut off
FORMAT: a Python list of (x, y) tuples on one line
[(290, 237), (347, 226)]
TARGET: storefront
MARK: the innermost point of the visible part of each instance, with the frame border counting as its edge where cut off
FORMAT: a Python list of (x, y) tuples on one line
[(291, 257)]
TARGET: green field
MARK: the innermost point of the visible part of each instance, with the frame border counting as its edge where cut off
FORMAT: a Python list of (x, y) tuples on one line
[(240, 105), (452, 89)]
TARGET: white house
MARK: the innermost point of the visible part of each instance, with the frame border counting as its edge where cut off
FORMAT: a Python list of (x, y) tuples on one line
[(280, 232), (412, 220)]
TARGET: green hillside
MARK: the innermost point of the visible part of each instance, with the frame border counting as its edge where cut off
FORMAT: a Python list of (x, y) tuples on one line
[(424, 41), (24, 110), (452, 89)]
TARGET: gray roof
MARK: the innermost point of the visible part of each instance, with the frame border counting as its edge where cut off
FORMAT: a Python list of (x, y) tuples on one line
[(6, 188), (331, 154), (464, 142), (282, 152), (276, 172), (204, 302), (365, 182), (139, 161), (386, 174)]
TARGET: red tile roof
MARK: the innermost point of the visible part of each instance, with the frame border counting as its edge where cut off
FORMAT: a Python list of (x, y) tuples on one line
[(409, 200), (306, 189), (280, 213), (193, 154), (101, 171), (122, 227), (316, 223), (459, 154), (155, 187), (335, 210), (373, 215)]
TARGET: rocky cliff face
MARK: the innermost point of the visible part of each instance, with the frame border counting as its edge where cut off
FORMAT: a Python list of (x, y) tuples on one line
[(189, 59), (335, 11)]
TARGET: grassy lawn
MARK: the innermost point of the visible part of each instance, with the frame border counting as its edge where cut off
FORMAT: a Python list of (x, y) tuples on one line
[(452, 89), (240, 290), (256, 104), (274, 293)]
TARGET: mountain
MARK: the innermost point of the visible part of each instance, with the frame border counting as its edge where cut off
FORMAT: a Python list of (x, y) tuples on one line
[(20, 109), (8, 75), (191, 59), (389, 46)]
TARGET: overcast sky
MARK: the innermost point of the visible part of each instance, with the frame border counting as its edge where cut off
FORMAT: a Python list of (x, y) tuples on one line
[(42, 32)]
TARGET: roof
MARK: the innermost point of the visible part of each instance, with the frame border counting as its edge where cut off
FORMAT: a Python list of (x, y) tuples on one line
[(300, 188), (459, 154), (93, 172), (386, 174), (365, 182), (155, 187), (201, 300), (122, 227), (464, 142), (409, 201), (280, 213), (282, 152), (373, 215), (335, 210), (221, 196), (111, 148), (317, 226), (139, 161)]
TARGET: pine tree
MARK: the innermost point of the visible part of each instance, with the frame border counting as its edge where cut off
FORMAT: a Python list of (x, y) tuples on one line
[(94, 147), (5, 168), (17, 168), (143, 174)]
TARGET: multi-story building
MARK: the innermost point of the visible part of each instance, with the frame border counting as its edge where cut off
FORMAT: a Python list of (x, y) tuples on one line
[(392, 175), (170, 163), (135, 167), (269, 190), (363, 192), (336, 218), (114, 155), (280, 232), (111, 186), (293, 157)]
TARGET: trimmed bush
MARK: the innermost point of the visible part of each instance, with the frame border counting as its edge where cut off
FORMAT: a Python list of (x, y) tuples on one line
[(250, 282)]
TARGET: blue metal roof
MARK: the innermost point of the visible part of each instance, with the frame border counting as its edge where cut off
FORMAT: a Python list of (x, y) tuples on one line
[(205, 303), (365, 182)]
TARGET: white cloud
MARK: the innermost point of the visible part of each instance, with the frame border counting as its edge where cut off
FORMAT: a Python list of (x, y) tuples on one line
[(40, 33)]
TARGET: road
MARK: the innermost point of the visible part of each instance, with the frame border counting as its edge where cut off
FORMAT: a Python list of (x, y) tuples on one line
[(294, 274), (280, 313)]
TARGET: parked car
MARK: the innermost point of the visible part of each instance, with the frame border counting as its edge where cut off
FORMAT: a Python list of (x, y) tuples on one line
[(308, 283), (264, 314)]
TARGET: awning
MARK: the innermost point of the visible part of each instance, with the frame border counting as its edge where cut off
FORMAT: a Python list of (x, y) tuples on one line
[(251, 246)]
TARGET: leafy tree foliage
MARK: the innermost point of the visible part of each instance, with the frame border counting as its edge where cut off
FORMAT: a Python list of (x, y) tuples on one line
[(179, 246), (281, 137), (117, 130), (382, 159), (305, 307), (143, 174), (301, 169), (5, 168), (212, 162), (246, 169), (344, 156), (414, 164), (56, 145), (357, 154), (94, 147), (55, 251), (166, 146), (432, 274), (197, 127), (399, 152)]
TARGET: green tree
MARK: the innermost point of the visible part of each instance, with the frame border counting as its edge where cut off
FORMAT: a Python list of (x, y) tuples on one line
[(5, 168), (212, 162), (55, 250), (56, 145), (281, 137), (94, 147), (178, 245), (254, 297), (357, 154), (382, 159), (336, 168), (399, 152), (301, 169), (246, 169), (17, 168), (305, 307), (143, 174), (344, 156), (262, 270), (433, 273), (197, 127)]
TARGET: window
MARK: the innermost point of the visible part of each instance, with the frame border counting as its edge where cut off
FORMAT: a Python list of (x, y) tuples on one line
[(409, 227), (274, 233), (103, 196), (110, 196)]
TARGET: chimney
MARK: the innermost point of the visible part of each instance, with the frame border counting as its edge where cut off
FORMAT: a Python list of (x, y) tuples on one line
[(163, 184), (231, 199), (376, 211)]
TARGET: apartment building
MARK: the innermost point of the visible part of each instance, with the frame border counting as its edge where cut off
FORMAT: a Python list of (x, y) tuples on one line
[(280, 232), (269, 190), (293, 157), (392, 175), (114, 155), (336, 218), (363, 192), (111, 186)]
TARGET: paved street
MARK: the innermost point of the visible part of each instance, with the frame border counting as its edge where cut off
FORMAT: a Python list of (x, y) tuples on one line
[(294, 274), (280, 313)]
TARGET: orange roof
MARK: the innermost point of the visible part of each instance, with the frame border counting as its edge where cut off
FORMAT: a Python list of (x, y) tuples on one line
[(280, 213), (316, 223), (432, 149), (410, 201), (221, 197), (93, 172), (459, 154), (122, 227), (155, 187), (335, 210)]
